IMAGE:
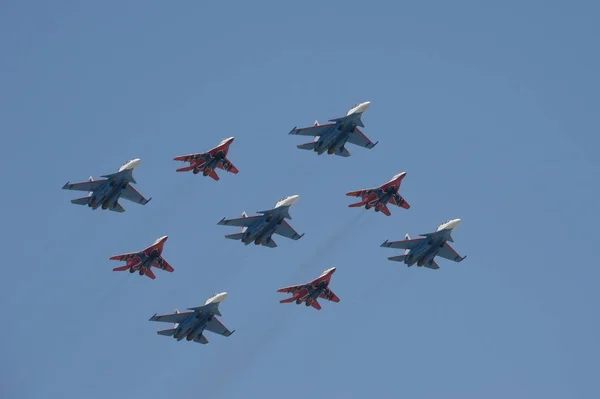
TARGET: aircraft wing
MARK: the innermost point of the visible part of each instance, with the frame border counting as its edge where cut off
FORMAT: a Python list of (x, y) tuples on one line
[(228, 167), (312, 131), (201, 339), (284, 229), (404, 244), (171, 318), (360, 193), (239, 222), (131, 194), (449, 253), (85, 186), (217, 327), (314, 303), (161, 263), (357, 137), (191, 157), (126, 257), (329, 295), (293, 289)]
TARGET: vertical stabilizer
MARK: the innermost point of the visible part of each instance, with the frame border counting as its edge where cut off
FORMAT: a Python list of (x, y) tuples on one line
[(175, 325), (406, 237), (90, 192), (244, 228)]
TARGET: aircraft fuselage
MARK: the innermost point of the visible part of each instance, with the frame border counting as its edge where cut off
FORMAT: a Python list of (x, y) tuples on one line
[(426, 252), (211, 163), (313, 293), (107, 195), (145, 260), (337, 136), (263, 229), (192, 327)]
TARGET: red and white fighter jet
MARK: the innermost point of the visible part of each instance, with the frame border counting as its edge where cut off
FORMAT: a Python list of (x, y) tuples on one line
[(206, 162), (143, 261), (378, 198), (310, 292)]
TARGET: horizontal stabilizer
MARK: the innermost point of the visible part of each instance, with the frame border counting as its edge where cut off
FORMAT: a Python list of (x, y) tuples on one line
[(81, 201), (307, 146), (342, 152), (269, 243), (167, 333), (399, 258), (433, 265), (201, 339), (358, 204), (186, 169), (237, 236), (117, 208)]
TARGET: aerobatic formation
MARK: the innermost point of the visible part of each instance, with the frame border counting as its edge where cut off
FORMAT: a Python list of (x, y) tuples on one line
[(259, 229)]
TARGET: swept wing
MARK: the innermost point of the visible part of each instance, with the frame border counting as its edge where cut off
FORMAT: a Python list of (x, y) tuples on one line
[(131, 194), (239, 222), (160, 263), (217, 327), (201, 157), (357, 137), (284, 229), (449, 253), (404, 244), (312, 131), (171, 318), (85, 186)]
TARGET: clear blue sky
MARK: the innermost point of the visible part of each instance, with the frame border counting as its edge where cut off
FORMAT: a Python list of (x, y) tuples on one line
[(491, 109)]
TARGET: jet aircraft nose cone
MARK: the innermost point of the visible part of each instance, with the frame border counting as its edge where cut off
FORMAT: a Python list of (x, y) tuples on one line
[(454, 223), (288, 201), (227, 141), (450, 224), (360, 108), (220, 297), (292, 199), (130, 164), (217, 298)]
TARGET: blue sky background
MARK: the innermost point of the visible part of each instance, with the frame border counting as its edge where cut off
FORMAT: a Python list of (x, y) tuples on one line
[(492, 109)]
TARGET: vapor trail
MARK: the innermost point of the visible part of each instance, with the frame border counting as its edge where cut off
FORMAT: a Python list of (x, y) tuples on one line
[(272, 326)]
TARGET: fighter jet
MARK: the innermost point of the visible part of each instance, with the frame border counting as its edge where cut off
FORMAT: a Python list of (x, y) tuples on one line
[(106, 192), (310, 292), (259, 229), (143, 261), (332, 137), (378, 198), (206, 162), (422, 251), (191, 325)]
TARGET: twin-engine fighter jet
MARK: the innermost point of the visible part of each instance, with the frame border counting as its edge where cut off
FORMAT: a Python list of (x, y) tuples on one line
[(106, 192), (310, 292), (191, 325), (378, 198), (422, 251), (332, 137), (143, 261), (206, 162), (259, 229)]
